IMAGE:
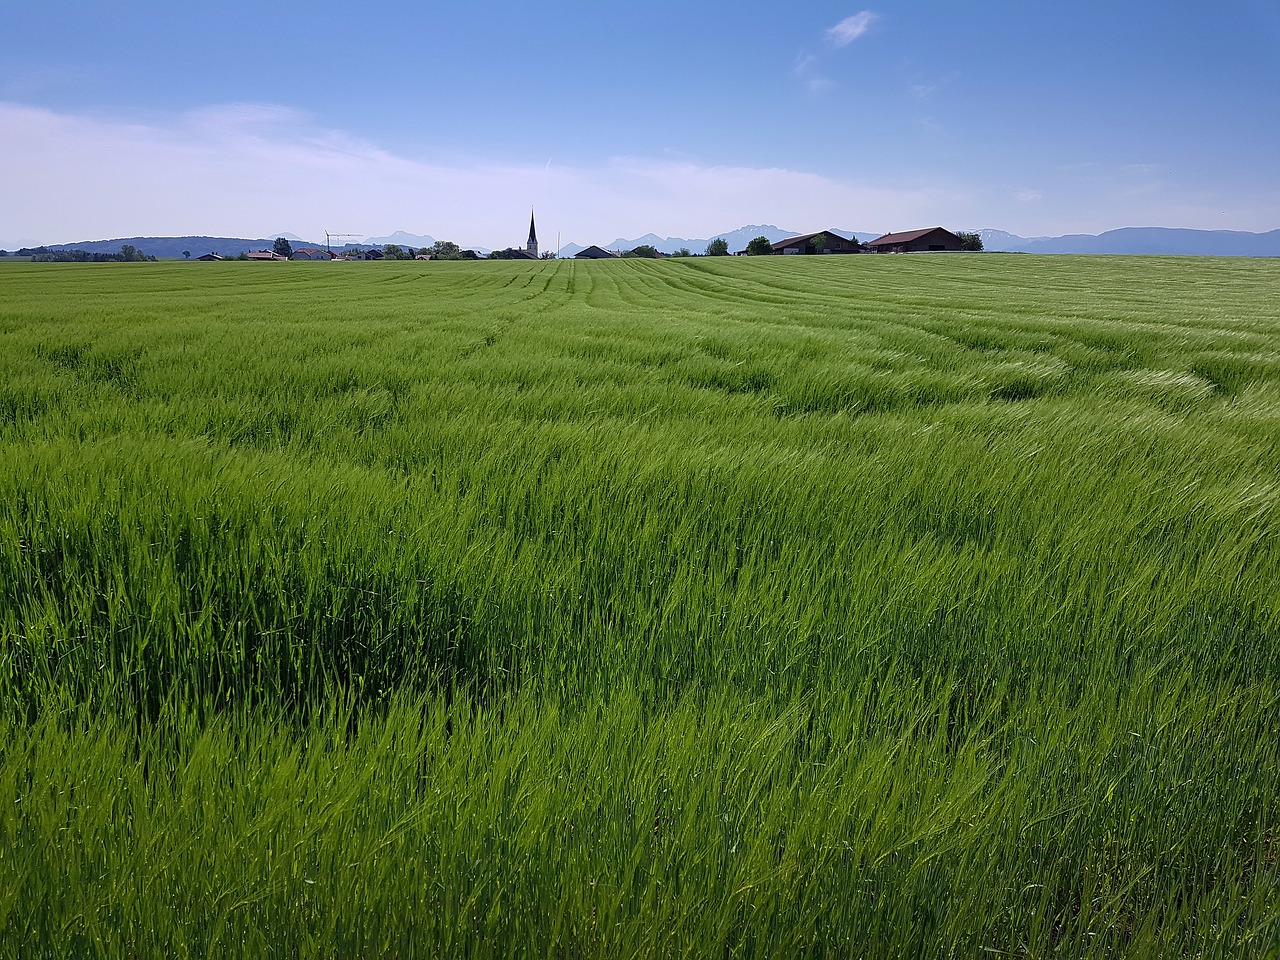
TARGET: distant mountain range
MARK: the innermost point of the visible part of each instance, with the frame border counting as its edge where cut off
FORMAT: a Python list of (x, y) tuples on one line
[(402, 239), (399, 237), (172, 247), (1143, 240), (1127, 240)]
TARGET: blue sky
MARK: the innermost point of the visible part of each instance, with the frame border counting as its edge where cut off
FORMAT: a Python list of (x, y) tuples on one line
[(685, 119)]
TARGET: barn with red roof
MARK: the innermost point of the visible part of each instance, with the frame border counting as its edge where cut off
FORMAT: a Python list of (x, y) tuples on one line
[(929, 240)]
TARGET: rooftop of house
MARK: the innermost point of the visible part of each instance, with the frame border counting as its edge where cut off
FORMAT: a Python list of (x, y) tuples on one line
[(805, 238), (905, 237)]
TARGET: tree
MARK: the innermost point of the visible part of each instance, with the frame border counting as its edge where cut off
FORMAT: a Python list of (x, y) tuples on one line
[(719, 247), (393, 251), (759, 247), (282, 248), (818, 241), (186, 254), (682, 252), (445, 250), (970, 241), (644, 250), (548, 255)]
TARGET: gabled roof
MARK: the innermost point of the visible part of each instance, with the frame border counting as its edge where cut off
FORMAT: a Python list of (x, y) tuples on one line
[(801, 240), (906, 237), (593, 252)]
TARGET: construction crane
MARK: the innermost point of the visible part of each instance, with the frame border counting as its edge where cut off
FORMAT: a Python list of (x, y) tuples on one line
[(330, 237)]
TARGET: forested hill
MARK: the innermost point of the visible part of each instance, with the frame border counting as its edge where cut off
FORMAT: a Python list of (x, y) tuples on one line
[(166, 248)]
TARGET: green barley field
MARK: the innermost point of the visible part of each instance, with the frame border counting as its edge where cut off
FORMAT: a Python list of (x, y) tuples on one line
[(783, 607)]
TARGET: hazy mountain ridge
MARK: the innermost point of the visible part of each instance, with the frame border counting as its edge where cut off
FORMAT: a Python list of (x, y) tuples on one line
[(403, 239), (173, 247), (1142, 240), (1125, 240)]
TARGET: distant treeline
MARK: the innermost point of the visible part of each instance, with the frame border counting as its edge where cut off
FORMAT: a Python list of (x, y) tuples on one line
[(128, 254)]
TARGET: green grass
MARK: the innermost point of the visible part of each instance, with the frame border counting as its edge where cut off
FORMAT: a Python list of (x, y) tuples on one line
[(850, 606)]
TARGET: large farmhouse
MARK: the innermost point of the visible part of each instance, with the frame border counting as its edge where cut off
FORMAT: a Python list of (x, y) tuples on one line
[(929, 240), (594, 253), (826, 241)]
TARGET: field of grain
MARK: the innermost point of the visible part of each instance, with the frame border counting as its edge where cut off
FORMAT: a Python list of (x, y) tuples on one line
[(843, 606)]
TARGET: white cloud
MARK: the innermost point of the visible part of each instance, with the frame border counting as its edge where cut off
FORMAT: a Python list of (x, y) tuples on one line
[(805, 69), (244, 169), (841, 35), (851, 28), (248, 169)]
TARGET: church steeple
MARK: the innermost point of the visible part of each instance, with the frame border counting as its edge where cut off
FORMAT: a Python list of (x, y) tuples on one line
[(532, 248)]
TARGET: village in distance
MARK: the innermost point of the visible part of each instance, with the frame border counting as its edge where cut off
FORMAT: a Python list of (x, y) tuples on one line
[(751, 240), (756, 240)]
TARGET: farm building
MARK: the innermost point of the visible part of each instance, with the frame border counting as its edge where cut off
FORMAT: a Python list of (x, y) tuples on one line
[(930, 240), (263, 255), (310, 253), (824, 241), (594, 253), (209, 256)]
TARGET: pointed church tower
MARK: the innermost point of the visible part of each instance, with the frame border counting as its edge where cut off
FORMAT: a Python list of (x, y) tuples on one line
[(532, 248)]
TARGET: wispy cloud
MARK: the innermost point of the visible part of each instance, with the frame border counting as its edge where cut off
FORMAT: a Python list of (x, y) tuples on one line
[(808, 65), (851, 28), (243, 169), (806, 69), (248, 169)]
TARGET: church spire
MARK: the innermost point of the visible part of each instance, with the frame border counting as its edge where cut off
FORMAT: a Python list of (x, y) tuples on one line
[(532, 248)]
